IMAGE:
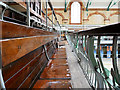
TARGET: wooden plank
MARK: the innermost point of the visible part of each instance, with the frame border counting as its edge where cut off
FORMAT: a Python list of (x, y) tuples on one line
[(60, 52), (21, 46), (33, 76), (21, 3), (14, 67), (56, 72), (59, 62), (61, 49), (13, 30), (22, 75), (59, 56), (66, 84)]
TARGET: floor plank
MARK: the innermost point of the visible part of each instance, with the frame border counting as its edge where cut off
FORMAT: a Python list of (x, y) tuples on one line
[(53, 84)]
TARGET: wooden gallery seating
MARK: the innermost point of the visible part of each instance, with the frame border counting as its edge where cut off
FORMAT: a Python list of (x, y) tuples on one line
[(56, 74), (25, 53)]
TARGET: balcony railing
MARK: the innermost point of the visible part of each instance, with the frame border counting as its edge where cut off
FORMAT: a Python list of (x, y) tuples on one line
[(85, 43)]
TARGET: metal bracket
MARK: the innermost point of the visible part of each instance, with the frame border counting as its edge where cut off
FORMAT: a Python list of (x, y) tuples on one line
[(53, 45), (2, 84), (3, 11), (7, 7), (46, 15), (45, 49)]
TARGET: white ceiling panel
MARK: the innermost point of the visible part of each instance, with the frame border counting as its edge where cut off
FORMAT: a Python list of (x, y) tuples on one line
[(94, 3)]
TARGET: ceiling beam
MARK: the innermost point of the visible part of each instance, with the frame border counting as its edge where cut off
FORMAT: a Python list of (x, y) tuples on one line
[(66, 5), (108, 8), (65, 10), (88, 3), (115, 3)]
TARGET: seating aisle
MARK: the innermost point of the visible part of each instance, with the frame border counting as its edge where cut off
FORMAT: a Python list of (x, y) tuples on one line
[(56, 74)]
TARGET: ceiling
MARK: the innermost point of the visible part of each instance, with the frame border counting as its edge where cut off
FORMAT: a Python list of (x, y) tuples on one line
[(94, 3)]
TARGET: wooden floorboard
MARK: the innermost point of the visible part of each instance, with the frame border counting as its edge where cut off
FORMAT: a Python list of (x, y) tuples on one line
[(56, 72), (59, 62), (60, 56), (53, 84)]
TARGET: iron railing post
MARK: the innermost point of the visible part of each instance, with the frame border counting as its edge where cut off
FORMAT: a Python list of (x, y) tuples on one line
[(45, 49), (28, 13), (2, 84), (52, 20), (46, 15), (99, 57), (114, 60)]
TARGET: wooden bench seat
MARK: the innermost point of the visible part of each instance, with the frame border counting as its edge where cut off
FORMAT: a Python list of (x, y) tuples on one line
[(53, 84), (56, 72), (58, 62), (61, 56)]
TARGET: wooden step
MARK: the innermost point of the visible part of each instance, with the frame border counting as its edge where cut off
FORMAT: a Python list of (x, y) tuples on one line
[(61, 49), (56, 72), (60, 52), (53, 84), (58, 56), (59, 62)]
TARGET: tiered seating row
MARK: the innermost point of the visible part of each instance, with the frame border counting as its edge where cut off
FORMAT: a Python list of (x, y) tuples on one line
[(57, 73), (24, 52)]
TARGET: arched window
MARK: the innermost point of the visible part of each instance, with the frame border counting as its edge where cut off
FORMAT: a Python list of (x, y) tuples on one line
[(75, 12)]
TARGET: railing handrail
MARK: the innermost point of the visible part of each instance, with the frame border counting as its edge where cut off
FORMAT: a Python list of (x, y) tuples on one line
[(47, 17), (109, 30), (50, 4), (89, 55)]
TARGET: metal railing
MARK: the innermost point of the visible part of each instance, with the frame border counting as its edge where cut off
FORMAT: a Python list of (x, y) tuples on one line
[(97, 74), (29, 20)]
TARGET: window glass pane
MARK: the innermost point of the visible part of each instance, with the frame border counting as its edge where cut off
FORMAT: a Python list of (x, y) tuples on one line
[(75, 12)]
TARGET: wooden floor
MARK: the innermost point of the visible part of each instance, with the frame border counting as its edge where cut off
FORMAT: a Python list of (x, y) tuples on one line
[(57, 73)]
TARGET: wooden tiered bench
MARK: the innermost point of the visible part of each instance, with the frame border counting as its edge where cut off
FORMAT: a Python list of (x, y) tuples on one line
[(29, 54), (25, 52), (56, 74)]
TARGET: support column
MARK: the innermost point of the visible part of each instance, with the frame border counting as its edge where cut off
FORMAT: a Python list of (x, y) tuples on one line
[(46, 15)]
